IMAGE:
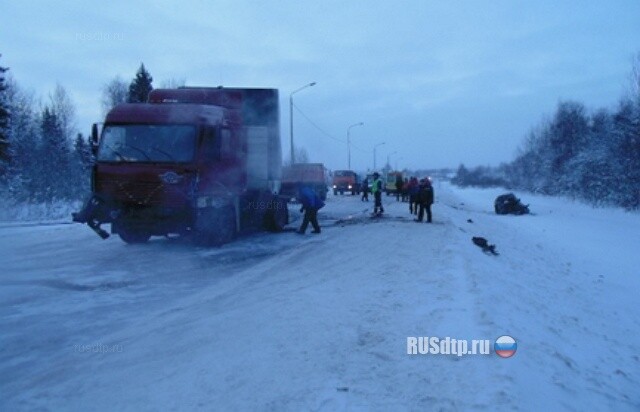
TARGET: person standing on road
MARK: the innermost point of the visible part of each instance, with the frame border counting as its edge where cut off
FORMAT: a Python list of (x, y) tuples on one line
[(405, 190), (311, 203), (412, 189), (399, 184), (365, 190), (376, 189), (425, 199)]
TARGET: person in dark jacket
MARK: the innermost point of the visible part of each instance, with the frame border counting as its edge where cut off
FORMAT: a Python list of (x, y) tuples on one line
[(399, 184), (311, 203), (424, 199), (365, 190), (413, 188), (376, 189), (405, 190)]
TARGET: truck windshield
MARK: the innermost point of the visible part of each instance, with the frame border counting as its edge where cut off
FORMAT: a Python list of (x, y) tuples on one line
[(147, 143)]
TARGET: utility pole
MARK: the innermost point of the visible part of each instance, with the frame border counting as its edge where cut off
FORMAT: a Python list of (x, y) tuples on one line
[(291, 117), (374, 154), (349, 144)]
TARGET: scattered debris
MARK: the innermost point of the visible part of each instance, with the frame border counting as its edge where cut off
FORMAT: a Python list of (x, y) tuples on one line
[(484, 244)]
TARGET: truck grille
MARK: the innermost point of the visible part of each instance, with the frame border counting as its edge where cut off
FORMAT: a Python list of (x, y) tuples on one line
[(147, 193)]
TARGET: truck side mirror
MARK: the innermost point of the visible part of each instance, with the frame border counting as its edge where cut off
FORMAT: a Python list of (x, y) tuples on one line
[(94, 138)]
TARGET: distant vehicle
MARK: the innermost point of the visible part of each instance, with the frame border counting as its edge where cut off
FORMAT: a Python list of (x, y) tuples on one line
[(370, 180), (390, 185), (508, 203), (309, 174), (345, 181), (200, 161)]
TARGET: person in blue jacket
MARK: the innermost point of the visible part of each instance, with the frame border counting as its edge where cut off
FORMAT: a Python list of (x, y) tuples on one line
[(311, 203)]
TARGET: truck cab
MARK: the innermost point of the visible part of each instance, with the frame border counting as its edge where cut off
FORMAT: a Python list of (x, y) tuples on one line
[(203, 161), (345, 181)]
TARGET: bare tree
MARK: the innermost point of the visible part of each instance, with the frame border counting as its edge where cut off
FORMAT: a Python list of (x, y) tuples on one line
[(635, 77), (302, 156), (173, 83), (114, 93), (64, 110)]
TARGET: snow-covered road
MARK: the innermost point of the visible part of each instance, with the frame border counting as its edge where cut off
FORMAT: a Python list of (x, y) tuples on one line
[(320, 322)]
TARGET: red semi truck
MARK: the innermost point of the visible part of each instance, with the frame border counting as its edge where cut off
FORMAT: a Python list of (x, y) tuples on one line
[(204, 162), (313, 175)]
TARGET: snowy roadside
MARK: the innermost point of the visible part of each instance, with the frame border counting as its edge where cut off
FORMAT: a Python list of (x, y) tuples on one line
[(321, 322), (568, 291), (23, 214)]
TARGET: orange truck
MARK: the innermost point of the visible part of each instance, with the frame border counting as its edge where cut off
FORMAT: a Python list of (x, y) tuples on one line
[(345, 181)]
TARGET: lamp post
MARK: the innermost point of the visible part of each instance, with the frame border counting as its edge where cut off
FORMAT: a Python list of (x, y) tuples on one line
[(349, 143), (397, 160), (374, 154), (291, 116), (388, 156)]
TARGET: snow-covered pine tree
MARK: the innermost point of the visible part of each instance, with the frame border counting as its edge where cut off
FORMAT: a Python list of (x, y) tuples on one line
[(23, 142), (81, 160), (4, 123), (627, 153), (462, 176), (140, 87), (53, 174), (569, 131)]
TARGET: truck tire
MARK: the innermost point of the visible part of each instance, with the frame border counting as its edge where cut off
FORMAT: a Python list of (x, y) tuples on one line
[(277, 218), (215, 226), (131, 234)]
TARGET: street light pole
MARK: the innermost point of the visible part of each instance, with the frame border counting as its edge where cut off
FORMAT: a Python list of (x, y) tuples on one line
[(388, 156), (397, 160), (291, 116), (349, 143), (374, 154)]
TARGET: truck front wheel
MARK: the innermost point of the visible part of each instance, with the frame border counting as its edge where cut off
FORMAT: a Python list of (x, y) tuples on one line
[(277, 218), (215, 226), (131, 234)]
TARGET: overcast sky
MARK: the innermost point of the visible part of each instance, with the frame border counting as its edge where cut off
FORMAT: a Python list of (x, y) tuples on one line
[(441, 83)]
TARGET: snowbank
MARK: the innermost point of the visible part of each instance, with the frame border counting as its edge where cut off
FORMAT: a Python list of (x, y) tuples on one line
[(56, 211), (320, 322)]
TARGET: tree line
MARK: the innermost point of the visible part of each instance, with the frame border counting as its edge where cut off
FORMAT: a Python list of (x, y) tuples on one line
[(589, 156), (43, 157)]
